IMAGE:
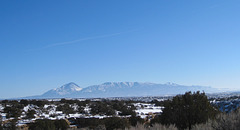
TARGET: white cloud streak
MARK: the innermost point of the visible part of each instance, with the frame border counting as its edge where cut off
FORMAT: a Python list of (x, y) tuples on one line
[(80, 40)]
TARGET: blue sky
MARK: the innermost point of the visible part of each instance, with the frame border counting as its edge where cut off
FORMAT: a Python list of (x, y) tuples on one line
[(45, 44)]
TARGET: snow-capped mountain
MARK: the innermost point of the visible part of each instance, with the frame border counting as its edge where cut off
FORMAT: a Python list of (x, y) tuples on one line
[(64, 90), (121, 89), (127, 89)]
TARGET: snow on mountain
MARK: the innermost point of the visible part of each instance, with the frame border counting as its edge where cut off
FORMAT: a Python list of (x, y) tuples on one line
[(64, 90), (122, 89), (109, 86), (127, 89), (68, 88)]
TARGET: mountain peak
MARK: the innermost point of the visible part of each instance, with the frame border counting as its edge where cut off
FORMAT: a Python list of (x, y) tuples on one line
[(69, 87), (64, 90)]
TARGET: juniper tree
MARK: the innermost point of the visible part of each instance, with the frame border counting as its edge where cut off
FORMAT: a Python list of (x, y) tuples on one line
[(186, 110)]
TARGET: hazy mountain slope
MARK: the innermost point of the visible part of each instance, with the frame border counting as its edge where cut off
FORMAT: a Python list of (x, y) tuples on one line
[(121, 89)]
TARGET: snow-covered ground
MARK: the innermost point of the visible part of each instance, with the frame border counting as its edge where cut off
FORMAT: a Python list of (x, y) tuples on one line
[(144, 109), (49, 111)]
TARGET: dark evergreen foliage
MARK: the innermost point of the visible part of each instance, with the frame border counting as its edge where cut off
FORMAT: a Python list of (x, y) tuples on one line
[(115, 123), (1, 127), (30, 114), (101, 108), (135, 119), (186, 110), (12, 111), (39, 103), (46, 124), (61, 124), (110, 123), (65, 109), (24, 102), (91, 123)]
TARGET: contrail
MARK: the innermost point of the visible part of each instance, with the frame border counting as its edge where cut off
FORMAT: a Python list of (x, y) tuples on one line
[(82, 39)]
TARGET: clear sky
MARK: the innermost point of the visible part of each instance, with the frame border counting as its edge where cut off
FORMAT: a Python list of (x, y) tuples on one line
[(45, 44)]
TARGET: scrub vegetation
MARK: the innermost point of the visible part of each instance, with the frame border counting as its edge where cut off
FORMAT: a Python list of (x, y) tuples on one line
[(193, 111)]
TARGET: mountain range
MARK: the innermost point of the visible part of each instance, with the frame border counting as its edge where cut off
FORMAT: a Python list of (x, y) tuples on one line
[(120, 89)]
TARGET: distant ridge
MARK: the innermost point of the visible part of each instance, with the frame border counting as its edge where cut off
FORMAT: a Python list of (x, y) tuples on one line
[(120, 89)]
